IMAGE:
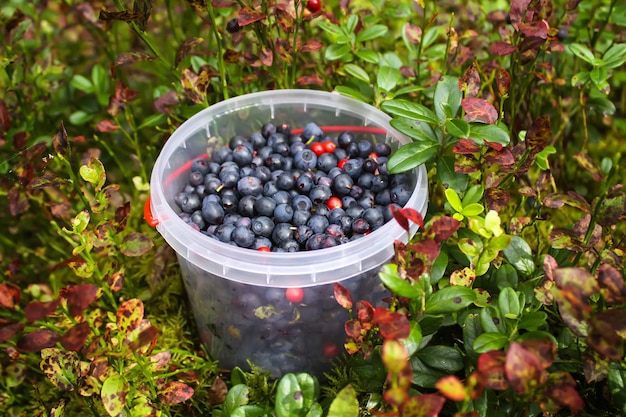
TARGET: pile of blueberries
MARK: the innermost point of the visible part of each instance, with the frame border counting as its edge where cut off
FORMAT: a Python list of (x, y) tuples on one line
[(279, 191)]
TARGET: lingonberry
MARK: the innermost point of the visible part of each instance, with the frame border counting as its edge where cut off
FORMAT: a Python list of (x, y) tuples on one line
[(295, 295)]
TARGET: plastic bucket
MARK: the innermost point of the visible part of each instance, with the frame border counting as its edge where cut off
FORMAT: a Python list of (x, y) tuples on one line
[(238, 295)]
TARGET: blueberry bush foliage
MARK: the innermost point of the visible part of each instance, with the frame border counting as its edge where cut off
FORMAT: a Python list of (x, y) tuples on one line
[(511, 298)]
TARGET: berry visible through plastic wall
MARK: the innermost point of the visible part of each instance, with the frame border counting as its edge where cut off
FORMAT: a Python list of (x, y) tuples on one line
[(295, 295), (314, 6)]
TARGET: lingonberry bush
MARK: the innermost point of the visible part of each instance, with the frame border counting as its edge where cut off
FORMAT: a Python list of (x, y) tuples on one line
[(509, 300)]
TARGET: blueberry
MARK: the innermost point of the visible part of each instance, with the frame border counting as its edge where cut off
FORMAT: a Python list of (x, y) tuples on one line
[(246, 205), (224, 232), (213, 185), (387, 211), (242, 155), (380, 182), (212, 212), (262, 242), (304, 184), (265, 206), (352, 150), (257, 140), (315, 241), (370, 165), (383, 197), (348, 201), (312, 132), (366, 180), (236, 141), (250, 186), (263, 173), (263, 226), (318, 223), (367, 201), (191, 202), (374, 216), (320, 194), (300, 217), (222, 154), (281, 148), (282, 197), (286, 181), (275, 161), (335, 215), (231, 218), (282, 232), (244, 222), (365, 148), (230, 200), (232, 26), (270, 188), (296, 147), (334, 230), (355, 211), (346, 224), (360, 226), (382, 149), (303, 233), (268, 129), (229, 177), (324, 180), (321, 209), (356, 191), (196, 217), (283, 213), (301, 202), (243, 237), (290, 245), (342, 184), (353, 167), (201, 166), (345, 138), (400, 194), (341, 153), (305, 160), (326, 162), (265, 152)]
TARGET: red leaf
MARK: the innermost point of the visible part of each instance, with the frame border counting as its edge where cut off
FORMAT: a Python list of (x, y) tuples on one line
[(314, 79), (466, 147), (413, 215), (5, 116), (37, 340), (491, 366), (223, 4), (311, 46), (402, 221), (504, 157), (266, 56), (343, 296), (353, 329), (443, 227), (107, 126), (518, 11), (79, 297), (424, 405), (611, 284), (549, 266), (501, 48), (471, 79), (10, 295), (479, 109), (7, 331), (365, 311), (74, 339), (451, 387), (248, 15), (413, 33), (37, 310), (537, 29), (497, 198), (539, 133), (503, 81), (523, 370), (174, 393), (586, 163), (427, 247), (566, 395), (392, 325)]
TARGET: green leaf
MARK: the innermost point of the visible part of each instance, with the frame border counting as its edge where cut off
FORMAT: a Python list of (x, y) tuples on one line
[(80, 117), (490, 320), (615, 56), (136, 244), (315, 411), (416, 130), (410, 110), (389, 276), (351, 24), (368, 55), (153, 120), (533, 321), (519, 254), (506, 276), (598, 75), (408, 89), (580, 78), (439, 266), (371, 32), (581, 52), (334, 30), (448, 177), (388, 78), (449, 300), (471, 330), (249, 411), (357, 72), (82, 83), (444, 358), (351, 92), (414, 340), (93, 173), (289, 397), (458, 128), (473, 209), (489, 341), (447, 98), (424, 375), (337, 51), (237, 396), (508, 303), (310, 390), (454, 200), (345, 404), (411, 155), (490, 133), (499, 243), (617, 386), (113, 394)]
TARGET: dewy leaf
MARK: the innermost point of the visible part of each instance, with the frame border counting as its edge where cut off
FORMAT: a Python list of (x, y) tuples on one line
[(449, 300), (519, 254), (289, 398), (412, 155), (447, 98), (345, 403)]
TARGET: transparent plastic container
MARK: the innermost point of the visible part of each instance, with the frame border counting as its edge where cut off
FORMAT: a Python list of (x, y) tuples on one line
[(238, 295)]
